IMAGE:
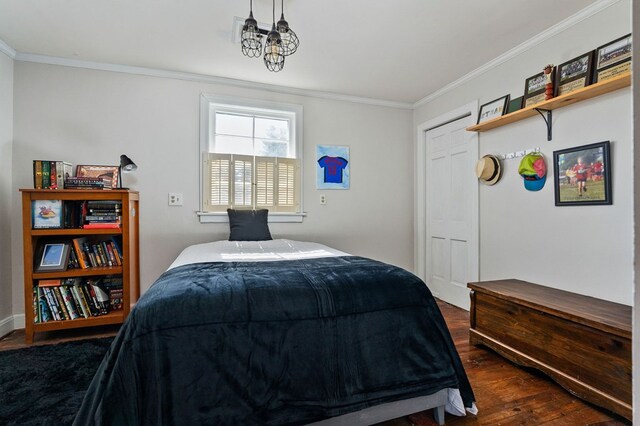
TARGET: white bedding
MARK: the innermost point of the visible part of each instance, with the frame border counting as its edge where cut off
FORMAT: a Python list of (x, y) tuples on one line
[(253, 251)]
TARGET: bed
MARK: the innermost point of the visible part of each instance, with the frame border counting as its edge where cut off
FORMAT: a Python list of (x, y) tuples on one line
[(278, 333)]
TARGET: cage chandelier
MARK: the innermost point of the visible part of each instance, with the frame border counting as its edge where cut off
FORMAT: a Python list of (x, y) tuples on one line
[(281, 41)]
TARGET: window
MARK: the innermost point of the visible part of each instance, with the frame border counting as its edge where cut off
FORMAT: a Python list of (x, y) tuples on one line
[(251, 157)]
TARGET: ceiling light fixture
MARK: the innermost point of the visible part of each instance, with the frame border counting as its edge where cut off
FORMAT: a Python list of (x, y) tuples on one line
[(290, 41), (251, 38), (281, 41), (273, 51)]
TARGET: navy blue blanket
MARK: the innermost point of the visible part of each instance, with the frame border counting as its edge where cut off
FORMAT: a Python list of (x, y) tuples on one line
[(273, 343)]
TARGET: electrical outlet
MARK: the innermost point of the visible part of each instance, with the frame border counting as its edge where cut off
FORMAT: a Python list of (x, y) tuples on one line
[(323, 199), (175, 199)]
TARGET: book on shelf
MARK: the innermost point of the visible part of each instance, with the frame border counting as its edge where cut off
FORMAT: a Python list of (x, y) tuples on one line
[(102, 214), (46, 178), (113, 287), (73, 263), (51, 302), (101, 218), (50, 174), (44, 313), (36, 310), (37, 174), (80, 302), (60, 301), (72, 298), (97, 253), (83, 183), (69, 302), (101, 225), (53, 182), (78, 247)]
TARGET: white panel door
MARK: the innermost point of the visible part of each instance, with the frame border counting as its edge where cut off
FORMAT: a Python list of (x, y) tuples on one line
[(451, 211)]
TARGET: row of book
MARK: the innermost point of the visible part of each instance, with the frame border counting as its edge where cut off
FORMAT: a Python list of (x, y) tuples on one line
[(102, 214), (73, 298), (50, 174), (95, 253), (91, 214)]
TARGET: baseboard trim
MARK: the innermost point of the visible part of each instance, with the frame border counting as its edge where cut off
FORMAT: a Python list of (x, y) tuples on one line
[(11, 323), (6, 326)]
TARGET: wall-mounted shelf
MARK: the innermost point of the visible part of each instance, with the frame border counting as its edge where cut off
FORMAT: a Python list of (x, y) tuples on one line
[(588, 92)]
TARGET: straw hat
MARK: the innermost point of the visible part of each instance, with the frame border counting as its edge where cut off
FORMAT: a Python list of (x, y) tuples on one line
[(489, 170)]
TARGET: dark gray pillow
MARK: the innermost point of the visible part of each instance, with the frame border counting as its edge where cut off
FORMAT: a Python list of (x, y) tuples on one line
[(249, 225)]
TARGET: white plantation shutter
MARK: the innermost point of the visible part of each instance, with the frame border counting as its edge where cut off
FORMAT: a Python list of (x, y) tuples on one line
[(244, 181), (217, 182), (265, 182), (287, 185)]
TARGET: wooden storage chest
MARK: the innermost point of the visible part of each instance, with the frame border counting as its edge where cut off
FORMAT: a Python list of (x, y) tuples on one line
[(582, 343)]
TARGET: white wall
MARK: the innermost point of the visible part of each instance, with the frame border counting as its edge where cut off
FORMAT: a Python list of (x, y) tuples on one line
[(86, 116), (585, 249), (6, 189)]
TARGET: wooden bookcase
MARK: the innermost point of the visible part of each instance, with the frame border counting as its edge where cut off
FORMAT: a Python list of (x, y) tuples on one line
[(129, 271)]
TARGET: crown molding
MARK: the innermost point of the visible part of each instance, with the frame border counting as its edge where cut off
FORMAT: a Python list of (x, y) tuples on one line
[(201, 78), (7, 50), (561, 26)]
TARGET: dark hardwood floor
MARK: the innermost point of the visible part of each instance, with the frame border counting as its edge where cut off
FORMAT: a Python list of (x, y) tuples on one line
[(506, 394)]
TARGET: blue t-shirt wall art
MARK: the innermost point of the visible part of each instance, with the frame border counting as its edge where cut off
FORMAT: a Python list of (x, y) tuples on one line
[(333, 168)]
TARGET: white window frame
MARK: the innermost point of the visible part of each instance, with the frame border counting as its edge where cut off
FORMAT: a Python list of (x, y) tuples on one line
[(209, 104)]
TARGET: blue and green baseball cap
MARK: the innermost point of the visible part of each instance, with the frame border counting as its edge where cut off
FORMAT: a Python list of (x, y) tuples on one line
[(533, 169)]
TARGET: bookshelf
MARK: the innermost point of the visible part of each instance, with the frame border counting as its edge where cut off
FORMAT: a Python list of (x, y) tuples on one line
[(127, 235)]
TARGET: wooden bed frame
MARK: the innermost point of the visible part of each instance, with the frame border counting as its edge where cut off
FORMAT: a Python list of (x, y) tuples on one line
[(391, 410)]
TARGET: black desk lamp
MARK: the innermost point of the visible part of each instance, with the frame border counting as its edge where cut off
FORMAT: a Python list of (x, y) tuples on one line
[(126, 166)]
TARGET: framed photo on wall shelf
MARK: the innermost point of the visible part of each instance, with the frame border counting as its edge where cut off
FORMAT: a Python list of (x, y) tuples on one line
[(582, 175), (53, 257), (574, 74), (534, 89), (109, 174), (493, 109), (613, 59)]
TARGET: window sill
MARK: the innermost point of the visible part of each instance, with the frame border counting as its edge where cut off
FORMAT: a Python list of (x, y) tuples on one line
[(207, 217)]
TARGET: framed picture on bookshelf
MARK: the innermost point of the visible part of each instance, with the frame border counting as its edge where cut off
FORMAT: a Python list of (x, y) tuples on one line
[(109, 174), (54, 257), (574, 74), (613, 59), (534, 88), (46, 214), (493, 109)]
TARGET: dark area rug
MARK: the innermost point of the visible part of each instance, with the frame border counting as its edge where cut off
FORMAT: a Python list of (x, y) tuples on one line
[(44, 385)]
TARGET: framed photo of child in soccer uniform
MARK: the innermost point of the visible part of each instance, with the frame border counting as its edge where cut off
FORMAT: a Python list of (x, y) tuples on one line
[(582, 175)]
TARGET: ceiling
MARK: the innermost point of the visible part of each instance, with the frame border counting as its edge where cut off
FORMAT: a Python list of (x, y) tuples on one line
[(401, 50)]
